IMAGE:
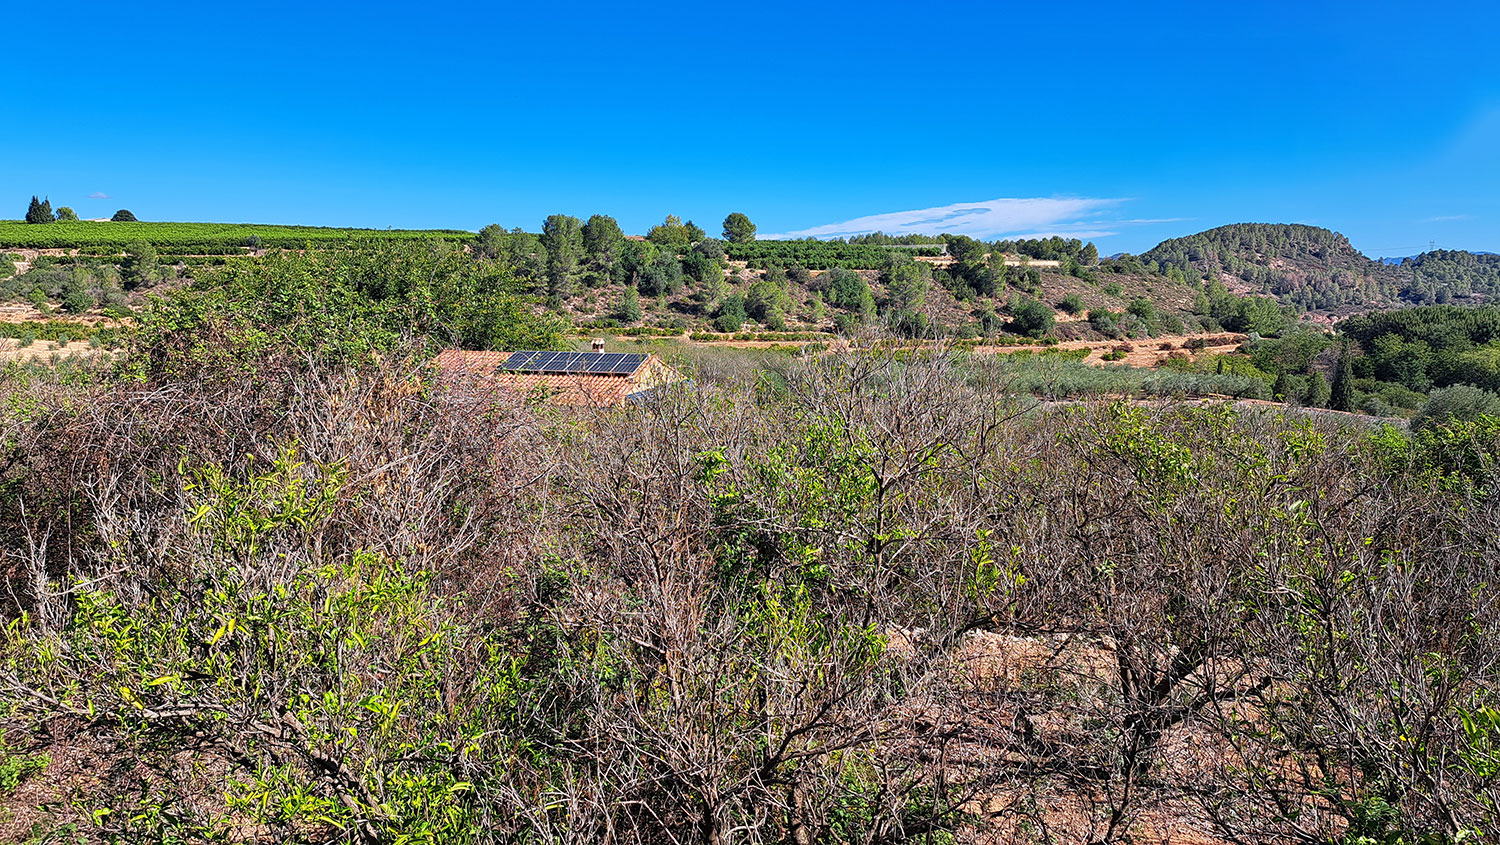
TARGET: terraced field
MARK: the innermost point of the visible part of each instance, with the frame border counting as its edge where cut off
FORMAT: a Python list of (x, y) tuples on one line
[(199, 238)]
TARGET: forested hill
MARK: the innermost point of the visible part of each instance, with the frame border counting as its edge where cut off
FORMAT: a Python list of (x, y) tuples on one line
[(1446, 275), (1311, 268), (1316, 269)]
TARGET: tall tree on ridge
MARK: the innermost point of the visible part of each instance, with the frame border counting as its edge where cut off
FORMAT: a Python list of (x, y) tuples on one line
[(601, 243), (39, 211), (563, 238), (738, 229)]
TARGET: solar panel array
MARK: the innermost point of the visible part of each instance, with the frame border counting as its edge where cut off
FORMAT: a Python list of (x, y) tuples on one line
[(574, 363)]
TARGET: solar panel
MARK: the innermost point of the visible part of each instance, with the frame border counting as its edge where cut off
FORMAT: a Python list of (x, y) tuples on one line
[(527, 362), (597, 363), (567, 362)]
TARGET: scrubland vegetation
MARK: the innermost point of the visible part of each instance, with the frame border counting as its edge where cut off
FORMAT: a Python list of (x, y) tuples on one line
[(268, 581)]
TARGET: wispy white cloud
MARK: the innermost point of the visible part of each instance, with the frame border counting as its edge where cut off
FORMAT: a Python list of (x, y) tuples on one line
[(1475, 142), (1444, 218), (98, 195), (1073, 217)]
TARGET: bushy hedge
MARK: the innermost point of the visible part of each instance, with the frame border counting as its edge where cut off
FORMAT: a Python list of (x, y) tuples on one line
[(711, 337), (613, 327)]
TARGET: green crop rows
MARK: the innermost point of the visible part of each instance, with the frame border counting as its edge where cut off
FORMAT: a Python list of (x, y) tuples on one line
[(819, 255), (201, 238)]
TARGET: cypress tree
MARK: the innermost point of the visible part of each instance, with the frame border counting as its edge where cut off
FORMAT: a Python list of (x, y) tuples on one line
[(630, 306), (39, 211), (1341, 396), (1317, 390), (1282, 388)]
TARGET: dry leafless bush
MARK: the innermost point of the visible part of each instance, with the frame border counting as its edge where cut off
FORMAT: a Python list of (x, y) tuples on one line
[(863, 598)]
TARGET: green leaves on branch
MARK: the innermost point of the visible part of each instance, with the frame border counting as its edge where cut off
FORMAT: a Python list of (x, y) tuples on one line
[(344, 306)]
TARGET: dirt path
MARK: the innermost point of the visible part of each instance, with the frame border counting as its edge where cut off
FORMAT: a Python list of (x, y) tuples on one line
[(12, 350), (1141, 352), (28, 256), (25, 312)]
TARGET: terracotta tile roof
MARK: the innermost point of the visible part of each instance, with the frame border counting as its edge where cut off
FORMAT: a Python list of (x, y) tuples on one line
[(453, 361), (558, 388)]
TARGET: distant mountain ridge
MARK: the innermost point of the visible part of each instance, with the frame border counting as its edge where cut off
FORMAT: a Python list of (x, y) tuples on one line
[(1396, 260), (1318, 270)]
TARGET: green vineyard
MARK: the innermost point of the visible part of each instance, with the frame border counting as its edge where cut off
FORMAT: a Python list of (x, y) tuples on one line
[(200, 238), (820, 255)]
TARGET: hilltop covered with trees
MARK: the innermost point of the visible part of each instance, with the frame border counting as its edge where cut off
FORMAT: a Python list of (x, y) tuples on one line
[(1445, 275), (1314, 269)]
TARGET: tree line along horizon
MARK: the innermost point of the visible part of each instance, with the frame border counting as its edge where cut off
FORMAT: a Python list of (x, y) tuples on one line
[(1326, 271), (570, 252), (40, 211), (866, 280), (1304, 267)]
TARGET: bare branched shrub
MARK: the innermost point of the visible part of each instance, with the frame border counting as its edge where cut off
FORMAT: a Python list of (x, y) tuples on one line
[(864, 597)]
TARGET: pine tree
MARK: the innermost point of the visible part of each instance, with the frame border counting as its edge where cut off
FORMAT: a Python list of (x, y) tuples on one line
[(1341, 395), (563, 237), (738, 229)]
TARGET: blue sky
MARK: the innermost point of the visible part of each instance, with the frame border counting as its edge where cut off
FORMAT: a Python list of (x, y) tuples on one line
[(1124, 123)]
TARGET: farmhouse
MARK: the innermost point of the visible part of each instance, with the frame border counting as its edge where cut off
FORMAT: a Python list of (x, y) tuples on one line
[(597, 378)]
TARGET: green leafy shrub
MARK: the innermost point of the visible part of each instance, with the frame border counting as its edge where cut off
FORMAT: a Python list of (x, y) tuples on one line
[(17, 766), (1459, 403), (1031, 318)]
